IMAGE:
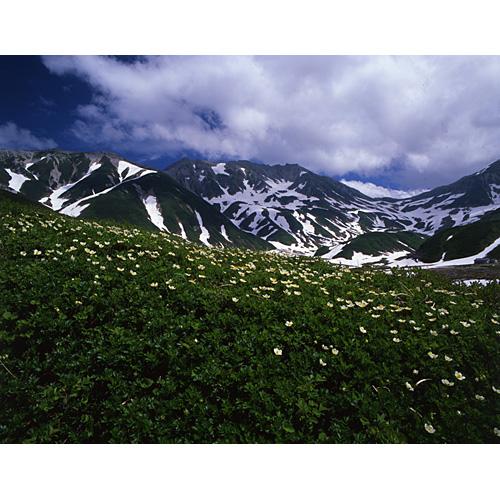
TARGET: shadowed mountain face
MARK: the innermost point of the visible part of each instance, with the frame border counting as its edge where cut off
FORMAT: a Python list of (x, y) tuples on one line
[(285, 207)]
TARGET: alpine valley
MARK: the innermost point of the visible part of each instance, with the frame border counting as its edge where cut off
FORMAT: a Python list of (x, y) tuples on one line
[(285, 208)]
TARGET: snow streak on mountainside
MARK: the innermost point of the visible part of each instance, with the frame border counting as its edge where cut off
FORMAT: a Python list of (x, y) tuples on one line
[(280, 207), (105, 185), (299, 211)]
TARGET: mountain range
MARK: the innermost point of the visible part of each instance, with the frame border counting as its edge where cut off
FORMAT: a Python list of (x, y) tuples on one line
[(240, 203)]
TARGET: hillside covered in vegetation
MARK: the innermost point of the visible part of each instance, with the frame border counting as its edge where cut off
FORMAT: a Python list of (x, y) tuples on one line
[(114, 334)]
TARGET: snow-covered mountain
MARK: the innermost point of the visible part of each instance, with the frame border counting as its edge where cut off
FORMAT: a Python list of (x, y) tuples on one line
[(299, 211), (466, 200), (106, 186), (283, 207)]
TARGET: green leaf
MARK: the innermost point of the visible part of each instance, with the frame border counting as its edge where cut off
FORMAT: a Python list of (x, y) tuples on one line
[(147, 383), (288, 428)]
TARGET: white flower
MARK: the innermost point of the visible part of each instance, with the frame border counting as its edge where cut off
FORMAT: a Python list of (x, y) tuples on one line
[(481, 398), (429, 428), (154, 285), (496, 431), (432, 355), (362, 329), (335, 351), (289, 323), (496, 390), (321, 362), (277, 351), (447, 358), (325, 347), (395, 339), (459, 376), (447, 382), (409, 387), (235, 299)]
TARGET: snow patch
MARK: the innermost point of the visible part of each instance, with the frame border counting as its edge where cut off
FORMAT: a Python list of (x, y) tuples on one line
[(75, 209), (132, 171), (57, 199), (224, 234), (220, 168), (183, 232), (205, 235), (16, 180), (154, 212), (466, 260), (391, 259)]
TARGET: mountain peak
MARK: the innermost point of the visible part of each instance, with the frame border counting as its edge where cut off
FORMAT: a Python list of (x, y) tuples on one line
[(286, 206)]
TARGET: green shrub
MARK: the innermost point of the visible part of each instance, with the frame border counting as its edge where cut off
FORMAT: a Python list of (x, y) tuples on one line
[(120, 335)]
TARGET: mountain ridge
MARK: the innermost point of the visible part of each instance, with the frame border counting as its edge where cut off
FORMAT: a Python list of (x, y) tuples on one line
[(305, 212), (238, 202), (105, 185)]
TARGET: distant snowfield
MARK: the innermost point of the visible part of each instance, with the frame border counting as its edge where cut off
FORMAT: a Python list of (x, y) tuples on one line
[(220, 168)]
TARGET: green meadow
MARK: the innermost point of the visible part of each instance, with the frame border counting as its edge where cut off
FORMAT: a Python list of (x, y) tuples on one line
[(114, 334)]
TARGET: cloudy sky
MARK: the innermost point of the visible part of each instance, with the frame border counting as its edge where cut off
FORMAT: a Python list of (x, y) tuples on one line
[(404, 122)]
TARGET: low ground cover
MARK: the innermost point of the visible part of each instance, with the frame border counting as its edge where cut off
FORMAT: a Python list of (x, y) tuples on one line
[(119, 335)]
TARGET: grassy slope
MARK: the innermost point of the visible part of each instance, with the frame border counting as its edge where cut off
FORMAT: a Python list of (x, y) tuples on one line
[(377, 243), (462, 241), (112, 334)]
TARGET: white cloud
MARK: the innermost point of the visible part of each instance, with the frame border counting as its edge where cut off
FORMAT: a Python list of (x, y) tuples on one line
[(375, 191), (14, 137), (434, 118)]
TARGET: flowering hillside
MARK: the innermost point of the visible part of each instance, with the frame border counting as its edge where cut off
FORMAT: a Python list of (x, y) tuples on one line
[(118, 335)]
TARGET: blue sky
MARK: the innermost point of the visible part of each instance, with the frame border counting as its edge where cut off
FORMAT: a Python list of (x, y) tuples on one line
[(406, 122), (402, 122)]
